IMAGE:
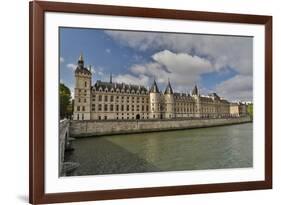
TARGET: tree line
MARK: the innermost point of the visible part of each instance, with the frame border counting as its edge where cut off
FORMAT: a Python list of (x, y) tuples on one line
[(66, 102)]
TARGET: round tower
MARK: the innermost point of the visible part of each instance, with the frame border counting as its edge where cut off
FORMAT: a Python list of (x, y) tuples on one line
[(196, 96), (154, 103), (169, 102), (82, 92)]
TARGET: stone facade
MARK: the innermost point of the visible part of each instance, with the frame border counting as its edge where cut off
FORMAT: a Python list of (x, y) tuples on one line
[(238, 109), (120, 101)]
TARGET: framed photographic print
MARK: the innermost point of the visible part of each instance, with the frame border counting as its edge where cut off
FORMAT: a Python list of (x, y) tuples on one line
[(139, 102)]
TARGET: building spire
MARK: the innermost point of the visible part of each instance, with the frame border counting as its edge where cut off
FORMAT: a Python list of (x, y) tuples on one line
[(169, 89), (110, 80), (81, 61), (81, 57), (154, 87), (195, 90)]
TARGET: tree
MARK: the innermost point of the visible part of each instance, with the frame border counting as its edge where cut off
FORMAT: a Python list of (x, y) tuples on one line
[(250, 110), (65, 101)]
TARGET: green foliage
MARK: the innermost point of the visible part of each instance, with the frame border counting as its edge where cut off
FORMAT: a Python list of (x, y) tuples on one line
[(250, 110), (66, 109)]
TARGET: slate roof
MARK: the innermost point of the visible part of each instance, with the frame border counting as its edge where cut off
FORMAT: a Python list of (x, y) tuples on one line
[(119, 86), (195, 90), (82, 70), (154, 88), (169, 89)]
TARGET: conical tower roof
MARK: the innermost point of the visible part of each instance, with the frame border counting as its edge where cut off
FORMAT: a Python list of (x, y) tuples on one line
[(154, 88), (169, 89), (195, 90)]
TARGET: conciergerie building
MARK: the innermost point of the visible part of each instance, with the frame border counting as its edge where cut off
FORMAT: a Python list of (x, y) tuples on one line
[(121, 101)]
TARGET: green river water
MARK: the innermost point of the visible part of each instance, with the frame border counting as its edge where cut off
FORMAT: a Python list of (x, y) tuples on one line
[(192, 149)]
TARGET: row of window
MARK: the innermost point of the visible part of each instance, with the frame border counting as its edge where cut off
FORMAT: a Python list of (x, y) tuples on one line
[(133, 117), (132, 108), (110, 107), (126, 98), (81, 116), (121, 91), (122, 118)]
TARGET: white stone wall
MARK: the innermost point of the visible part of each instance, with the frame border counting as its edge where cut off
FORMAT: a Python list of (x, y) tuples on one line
[(155, 105), (95, 128), (169, 106), (82, 97), (119, 106)]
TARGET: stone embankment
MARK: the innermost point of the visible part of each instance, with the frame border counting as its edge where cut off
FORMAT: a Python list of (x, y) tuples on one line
[(97, 128)]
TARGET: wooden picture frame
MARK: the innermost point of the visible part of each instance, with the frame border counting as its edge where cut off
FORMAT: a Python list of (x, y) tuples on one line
[(37, 11)]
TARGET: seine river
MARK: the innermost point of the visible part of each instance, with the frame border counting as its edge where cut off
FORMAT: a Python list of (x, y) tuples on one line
[(193, 149)]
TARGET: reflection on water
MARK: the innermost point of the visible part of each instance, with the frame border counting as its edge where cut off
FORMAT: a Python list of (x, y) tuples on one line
[(194, 149)]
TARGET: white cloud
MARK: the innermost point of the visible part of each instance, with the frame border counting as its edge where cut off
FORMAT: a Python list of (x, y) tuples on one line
[(176, 62), (71, 65), (71, 87), (130, 79), (224, 51), (240, 87), (61, 59), (181, 68)]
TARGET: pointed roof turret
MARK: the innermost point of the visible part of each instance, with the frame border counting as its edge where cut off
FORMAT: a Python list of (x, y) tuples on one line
[(81, 57), (110, 80), (81, 61), (169, 89), (154, 88), (195, 90)]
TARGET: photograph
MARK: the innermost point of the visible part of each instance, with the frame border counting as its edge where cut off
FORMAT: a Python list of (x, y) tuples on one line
[(148, 101), (129, 102)]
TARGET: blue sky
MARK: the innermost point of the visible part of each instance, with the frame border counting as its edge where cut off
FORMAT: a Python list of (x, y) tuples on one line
[(221, 64)]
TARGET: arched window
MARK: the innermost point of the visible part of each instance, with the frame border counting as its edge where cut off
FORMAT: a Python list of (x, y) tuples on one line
[(85, 83)]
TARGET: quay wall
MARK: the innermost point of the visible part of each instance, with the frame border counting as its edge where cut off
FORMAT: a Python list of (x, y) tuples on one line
[(97, 128), (63, 137)]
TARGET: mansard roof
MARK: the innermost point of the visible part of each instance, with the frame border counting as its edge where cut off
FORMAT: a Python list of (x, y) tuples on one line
[(154, 88), (206, 99), (224, 101), (119, 86), (182, 96)]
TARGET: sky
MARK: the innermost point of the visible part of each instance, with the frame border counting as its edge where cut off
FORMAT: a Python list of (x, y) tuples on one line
[(215, 63)]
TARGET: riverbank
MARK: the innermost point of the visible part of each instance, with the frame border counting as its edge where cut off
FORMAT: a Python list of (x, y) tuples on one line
[(98, 128)]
